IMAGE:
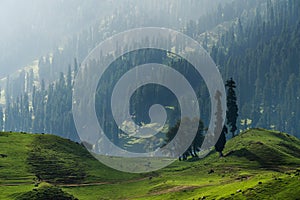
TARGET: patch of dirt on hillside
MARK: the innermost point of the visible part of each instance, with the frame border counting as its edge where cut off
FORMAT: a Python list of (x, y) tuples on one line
[(175, 189)]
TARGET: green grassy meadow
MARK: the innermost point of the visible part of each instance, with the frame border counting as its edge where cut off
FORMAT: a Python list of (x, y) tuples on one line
[(258, 164)]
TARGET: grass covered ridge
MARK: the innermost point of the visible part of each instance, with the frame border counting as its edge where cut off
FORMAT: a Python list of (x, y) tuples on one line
[(258, 164)]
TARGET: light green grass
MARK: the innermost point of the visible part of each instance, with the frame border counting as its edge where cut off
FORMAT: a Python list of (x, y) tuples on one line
[(13, 168), (10, 192), (259, 164)]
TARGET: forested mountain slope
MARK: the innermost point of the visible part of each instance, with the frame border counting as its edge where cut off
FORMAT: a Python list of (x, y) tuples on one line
[(255, 42)]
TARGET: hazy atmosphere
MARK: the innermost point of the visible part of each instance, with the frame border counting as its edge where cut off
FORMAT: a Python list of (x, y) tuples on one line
[(149, 99), (33, 28)]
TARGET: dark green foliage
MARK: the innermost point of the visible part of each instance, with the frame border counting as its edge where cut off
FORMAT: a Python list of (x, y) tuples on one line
[(264, 60), (218, 114), (256, 42), (46, 193), (220, 145), (232, 108), (197, 142), (146, 96), (220, 129)]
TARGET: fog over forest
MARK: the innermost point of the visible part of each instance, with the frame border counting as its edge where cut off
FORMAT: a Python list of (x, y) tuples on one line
[(33, 28)]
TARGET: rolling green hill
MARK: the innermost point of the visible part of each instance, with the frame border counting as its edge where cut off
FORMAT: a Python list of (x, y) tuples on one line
[(258, 164)]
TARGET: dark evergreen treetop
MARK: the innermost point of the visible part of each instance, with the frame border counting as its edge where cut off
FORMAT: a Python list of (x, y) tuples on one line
[(232, 108)]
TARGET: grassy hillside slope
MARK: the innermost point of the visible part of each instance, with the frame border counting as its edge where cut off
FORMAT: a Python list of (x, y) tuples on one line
[(258, 164)]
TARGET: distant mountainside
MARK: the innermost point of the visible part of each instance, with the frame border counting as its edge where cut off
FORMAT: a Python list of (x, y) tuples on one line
[(255, 42), (258, 164), (42, 88), (33, 29), (262, 54)]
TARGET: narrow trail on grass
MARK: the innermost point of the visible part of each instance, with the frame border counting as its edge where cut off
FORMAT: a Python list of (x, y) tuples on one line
[(102, 183), (175, 189), (14, 184), (82, 184)]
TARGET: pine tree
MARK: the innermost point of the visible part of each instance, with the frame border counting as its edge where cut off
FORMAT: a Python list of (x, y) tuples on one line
[(219, 146), (232, 108)]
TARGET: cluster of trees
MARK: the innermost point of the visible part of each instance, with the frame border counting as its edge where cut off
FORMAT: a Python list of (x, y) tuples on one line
[(230, 123), (42, 99), (146, 96), (47, 109), (194, 148), (262, 54), (260, 51), (231, 116)]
